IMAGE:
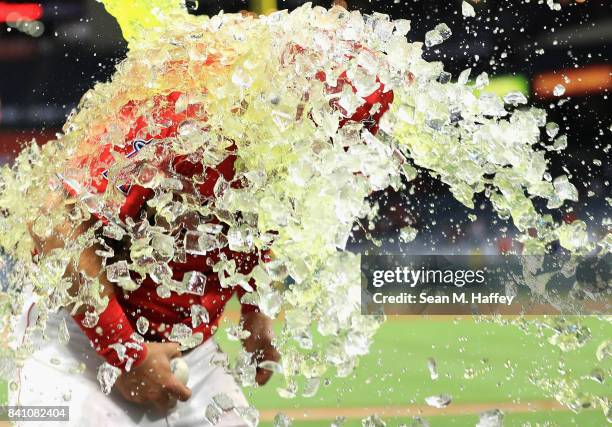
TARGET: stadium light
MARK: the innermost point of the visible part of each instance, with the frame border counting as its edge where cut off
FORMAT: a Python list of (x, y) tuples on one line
[(20, 11), (575, 82)]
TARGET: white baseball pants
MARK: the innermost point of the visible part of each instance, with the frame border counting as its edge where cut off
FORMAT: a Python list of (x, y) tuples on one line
[(49, 379)]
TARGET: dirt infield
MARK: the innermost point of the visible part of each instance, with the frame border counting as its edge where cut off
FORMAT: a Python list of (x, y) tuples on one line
[(321, 414)]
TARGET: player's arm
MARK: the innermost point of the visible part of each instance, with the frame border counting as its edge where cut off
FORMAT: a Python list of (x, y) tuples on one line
[(260, 340), (146, 376), (148, 379)]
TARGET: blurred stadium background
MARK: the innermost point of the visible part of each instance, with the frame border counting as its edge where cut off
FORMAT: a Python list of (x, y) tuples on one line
[(51, 52)]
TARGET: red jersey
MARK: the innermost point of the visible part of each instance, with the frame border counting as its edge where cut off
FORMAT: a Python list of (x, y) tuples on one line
[(163, 313)]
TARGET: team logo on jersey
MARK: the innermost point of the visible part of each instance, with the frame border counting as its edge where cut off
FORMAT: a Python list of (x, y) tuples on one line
[(137, 145)]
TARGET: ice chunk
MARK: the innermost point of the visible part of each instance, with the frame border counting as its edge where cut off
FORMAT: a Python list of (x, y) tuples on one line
[(277, 270), (107, 375), (113, 231), (142, 325), (464, 76), (289, 391), (492, 418), (439, 401), (180, 333), (373, 421), (560, 143), (237, 333), (249, 415), (212, 414), (242, 78), (281, 420), (199, 315), (270, 301), (118, 272), (349, 101), (120, 349), (559, 90), (573, 236), (224, 402), (604, 350), (402, 26), (491, 105), (408, 234), (439, 34), (62, 332), (515, 98), (419, 422), (271, 366), (552, 129), (433, 368), (565, 190), (553, 6), (195, 282), (467, 10), (311, 387), (482, 80)]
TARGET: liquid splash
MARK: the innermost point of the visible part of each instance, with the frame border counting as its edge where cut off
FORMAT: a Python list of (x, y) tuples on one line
[(256, 88)]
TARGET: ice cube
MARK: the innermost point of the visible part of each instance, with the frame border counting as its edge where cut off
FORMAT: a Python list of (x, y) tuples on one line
[(242, 78), (120, 349), (311, 387), (560, 143), (604, 350), (373, 421), (62, 332), (482, 80), (180, 333), (439, 401), (438, 35), (237, 333), (558, 90), (552, 129), (224, 402), (573, 236), (565, 189), (249, 415), (408, 234), (464, 76), (433, 368), (281, 420), (553, 6), (271, 366), (194, 282), (199, 315), (402, 26), (492, 418), (118, 272), (142, 325), (515, 98), (467, 10), (113, 231), (212, 414), (107, 375)]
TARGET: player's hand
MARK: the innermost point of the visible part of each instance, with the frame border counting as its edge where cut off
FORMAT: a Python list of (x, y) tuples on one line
[(152, 381), (266, 352), (260, 343)]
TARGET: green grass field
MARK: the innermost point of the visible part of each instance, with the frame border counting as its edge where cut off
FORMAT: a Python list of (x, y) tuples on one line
[(395, 374)]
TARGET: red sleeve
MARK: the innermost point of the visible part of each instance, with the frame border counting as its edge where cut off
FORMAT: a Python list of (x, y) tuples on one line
[(112, 337)]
